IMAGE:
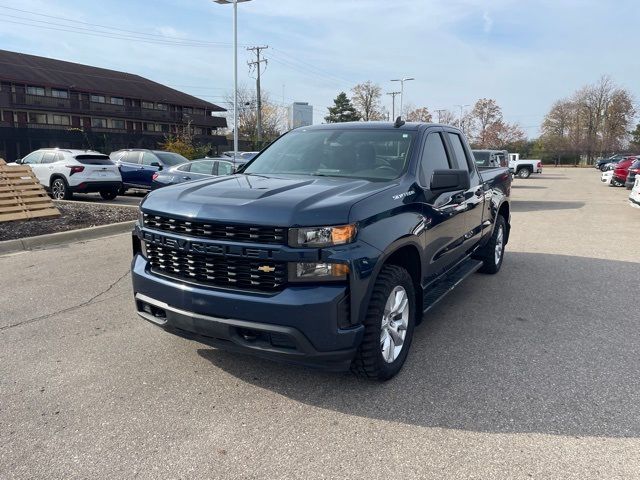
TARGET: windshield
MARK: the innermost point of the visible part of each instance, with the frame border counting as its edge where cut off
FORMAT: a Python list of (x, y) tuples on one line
[(367, 154), (482, 158), (171, 159)]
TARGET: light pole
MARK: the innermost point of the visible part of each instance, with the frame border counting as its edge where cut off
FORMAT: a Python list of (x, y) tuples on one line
[(402, 80), (235, 71), (393, 105)]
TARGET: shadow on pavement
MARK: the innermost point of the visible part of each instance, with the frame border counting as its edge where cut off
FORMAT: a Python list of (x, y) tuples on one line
[(532, 206), (495, 357), (528, 187)]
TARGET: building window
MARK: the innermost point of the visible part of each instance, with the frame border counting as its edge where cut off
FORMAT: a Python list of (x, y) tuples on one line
[(97, 98), (35, 91), (37, 118), (99, 122), (117, 124), (198, 111), (187, 110), (197, 130), (161, 106), (150, 127), (60, 120), (117, 101), (57, 93), (148, 105)]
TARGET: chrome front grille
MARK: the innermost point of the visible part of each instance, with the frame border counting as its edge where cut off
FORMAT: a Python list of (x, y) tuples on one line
[(217, 231), (217, 271)]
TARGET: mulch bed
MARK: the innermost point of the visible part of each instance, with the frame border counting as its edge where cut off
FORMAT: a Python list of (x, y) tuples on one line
[(73, 216)]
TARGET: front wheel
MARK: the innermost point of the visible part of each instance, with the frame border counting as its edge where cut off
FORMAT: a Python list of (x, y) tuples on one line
[(388, 325), (524, 173), (60, 189), (492, 253)]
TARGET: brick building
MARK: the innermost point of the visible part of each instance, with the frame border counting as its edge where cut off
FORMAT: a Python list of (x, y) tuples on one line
[(53, 103)]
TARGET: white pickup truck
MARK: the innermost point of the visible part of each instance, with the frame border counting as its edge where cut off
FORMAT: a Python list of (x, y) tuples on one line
[(523, 168)]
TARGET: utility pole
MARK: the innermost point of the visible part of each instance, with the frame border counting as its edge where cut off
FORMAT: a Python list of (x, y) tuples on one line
[(460, 122), (439, 112), (402, 80), (393, 104), (257, 65)]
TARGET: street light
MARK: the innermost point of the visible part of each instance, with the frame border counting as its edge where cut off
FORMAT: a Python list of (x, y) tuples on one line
[(402, 80), (235, 70)]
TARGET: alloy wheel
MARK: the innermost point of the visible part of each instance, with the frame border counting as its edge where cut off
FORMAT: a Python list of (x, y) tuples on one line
[(395, 320)]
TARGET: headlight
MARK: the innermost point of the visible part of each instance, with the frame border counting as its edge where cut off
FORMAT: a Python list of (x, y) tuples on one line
[(318, 272), (321, 236)]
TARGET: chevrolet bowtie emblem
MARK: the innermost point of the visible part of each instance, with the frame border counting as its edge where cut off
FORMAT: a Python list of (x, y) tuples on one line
[(266, 268)]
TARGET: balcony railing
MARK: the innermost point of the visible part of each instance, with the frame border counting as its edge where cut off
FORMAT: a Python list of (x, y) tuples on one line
[(80, 107)]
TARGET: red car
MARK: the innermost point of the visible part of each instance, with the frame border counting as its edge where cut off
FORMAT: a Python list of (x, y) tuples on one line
[(621, 171)]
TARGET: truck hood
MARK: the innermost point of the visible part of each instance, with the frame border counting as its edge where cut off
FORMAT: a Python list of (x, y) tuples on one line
[(264, 200)]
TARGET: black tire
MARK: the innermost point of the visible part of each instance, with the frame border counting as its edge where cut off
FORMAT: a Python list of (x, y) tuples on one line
[(60, 189), (524, 172), (122, 191), (488, 254), (369, 361), (109, 194)]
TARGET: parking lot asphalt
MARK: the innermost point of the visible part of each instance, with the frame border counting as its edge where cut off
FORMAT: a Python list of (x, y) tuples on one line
[(132, 197), (531, 373)]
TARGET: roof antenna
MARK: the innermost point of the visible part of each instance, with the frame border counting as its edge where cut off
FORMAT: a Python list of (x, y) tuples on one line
[(399, 122)]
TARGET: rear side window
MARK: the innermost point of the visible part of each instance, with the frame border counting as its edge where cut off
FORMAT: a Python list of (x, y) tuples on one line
[(458, 150), (434, 157), (49, 157), (224, 168), (94, 159), (202, 167)]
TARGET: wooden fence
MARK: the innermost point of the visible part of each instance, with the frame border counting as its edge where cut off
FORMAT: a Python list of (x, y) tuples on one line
[(21, 195)]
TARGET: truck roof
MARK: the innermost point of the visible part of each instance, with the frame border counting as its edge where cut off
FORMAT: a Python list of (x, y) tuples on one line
[(370, 125)]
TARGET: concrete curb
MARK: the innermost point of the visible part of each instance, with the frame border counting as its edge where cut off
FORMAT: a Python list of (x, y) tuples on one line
[(60, 238)]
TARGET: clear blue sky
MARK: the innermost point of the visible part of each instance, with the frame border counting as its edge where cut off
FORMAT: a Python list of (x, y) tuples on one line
[(523, 54)]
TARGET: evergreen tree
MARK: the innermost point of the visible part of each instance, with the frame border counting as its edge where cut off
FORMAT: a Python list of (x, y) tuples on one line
[(342, 110)]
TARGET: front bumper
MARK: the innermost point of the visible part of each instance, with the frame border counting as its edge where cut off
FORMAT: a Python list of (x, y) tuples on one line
[(298, 324)]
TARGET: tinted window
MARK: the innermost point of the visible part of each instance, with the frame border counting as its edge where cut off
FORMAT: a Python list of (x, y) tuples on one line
[(434, 157), (32, 158), (131, 157), (202, 167), (48, 157), (482, 158), (337, 152), (148, 158), (458, 150), (94, 160), (171, 159), (225, 168)]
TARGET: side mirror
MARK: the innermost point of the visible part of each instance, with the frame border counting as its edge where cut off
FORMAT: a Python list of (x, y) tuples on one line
[(156, 164), (449, 180), (18, 161)]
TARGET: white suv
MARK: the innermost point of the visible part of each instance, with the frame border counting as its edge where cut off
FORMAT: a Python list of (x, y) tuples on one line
[(64, 172)]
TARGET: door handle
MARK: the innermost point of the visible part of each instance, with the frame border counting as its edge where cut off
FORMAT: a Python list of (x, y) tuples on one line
[(186, 178)]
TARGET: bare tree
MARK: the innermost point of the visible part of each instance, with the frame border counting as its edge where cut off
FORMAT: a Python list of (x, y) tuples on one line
[(273, 116), (366, 98), (421, 114), (485, 112)]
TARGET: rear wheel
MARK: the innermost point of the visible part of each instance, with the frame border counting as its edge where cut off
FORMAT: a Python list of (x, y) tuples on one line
[(109, 194), (524, 173), (388, 325), (60, 189)]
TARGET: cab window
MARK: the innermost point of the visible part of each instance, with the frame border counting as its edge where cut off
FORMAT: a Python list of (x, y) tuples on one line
[(459, 151), (434, 157), (32, 158)]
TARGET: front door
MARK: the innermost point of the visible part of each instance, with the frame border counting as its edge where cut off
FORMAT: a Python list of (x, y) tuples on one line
[(38, 169), (446, 227)]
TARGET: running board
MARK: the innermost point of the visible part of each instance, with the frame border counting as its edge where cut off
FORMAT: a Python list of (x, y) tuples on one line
[(438, 291)]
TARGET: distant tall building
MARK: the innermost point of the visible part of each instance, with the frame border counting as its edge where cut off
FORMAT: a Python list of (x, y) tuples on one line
[(300, 115)]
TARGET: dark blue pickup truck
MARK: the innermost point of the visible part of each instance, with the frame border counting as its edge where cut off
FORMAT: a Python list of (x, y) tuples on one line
[(327, 248)]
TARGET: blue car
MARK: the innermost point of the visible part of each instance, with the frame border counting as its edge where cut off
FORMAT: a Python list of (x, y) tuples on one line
[(137, 166), (195, 170)]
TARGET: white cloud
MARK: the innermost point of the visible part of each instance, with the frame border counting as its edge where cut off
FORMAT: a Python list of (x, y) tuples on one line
[(487, 22)]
